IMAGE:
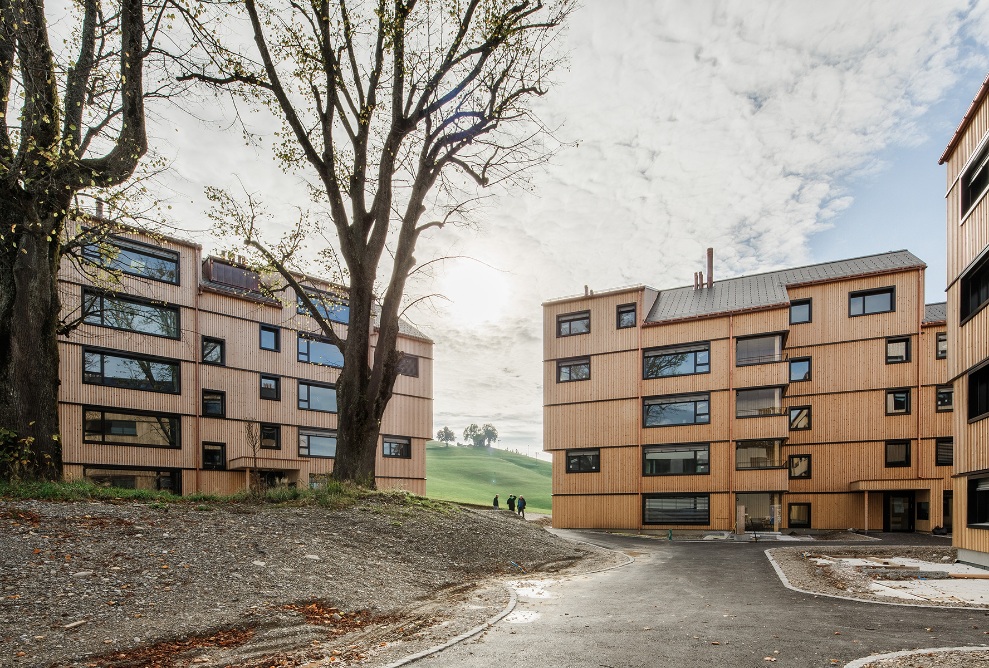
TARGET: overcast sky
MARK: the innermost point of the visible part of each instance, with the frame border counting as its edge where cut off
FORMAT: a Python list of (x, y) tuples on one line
[(780, 133)]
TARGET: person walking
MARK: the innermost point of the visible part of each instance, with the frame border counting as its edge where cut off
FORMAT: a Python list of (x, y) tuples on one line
[(511, 503), (494, 504), (520, 504)]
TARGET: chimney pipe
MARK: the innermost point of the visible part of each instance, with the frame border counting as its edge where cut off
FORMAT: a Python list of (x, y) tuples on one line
[(586, 291), (710, 267)]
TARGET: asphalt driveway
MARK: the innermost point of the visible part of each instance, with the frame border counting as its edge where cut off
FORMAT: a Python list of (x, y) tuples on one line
[(695, 604)]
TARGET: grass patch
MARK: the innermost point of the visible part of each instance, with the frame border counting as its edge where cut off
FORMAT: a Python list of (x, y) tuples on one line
[(475, 475)]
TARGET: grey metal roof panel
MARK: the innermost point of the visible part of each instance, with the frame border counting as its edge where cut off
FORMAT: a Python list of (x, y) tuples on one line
[(769, 289), (937, 312)]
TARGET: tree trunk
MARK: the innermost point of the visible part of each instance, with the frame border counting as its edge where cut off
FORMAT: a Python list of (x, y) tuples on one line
[(29, 321)]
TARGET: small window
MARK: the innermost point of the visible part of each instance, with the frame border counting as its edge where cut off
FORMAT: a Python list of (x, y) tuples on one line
[(271, 388), (869, 302), (941, 347), (271, 436), (313, 397), (975, 289), (214, 351), (584, 461), (678, 459), (214, 403), (799, 418), (798, 515), (898, 402), (799, 466), (898, 350), (897, 453), (676, 509), (676, 410), (408, 365), (270, 338), (571, 370), (944, 452), (978, 393), (758, 402), (800, 311), (944, 398), (397, 446), (679, 360), (571, 324), (625, 316), (215, 456), (317, 443), (758, 350), (764, 454), (799, 369)]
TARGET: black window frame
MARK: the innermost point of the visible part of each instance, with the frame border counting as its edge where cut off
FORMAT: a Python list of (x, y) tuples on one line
[(941, 445), (663, 399), (790, 507), (278, 387), (974, 289), (312, 431), (808, 376), (568, 318), (978, 503), (309, 385), (176, 431), (676, 447), (894, 359), (893, 463), (319, 298), (223, 404), (272, 329), (569, 364), (706, 496), (404, 451), (973, 182), (810, 311), (781, 463), (760, 359), (215, 446), (898, 390), (939, 392), (91, 297), (790, 417), (408, 365), (941, 345), (122, 243), (276, 429), (221, 345), (586, 460), (862, 294), (303, 352), (790, 466), (88, 377), (624, 310), (672, 351), (978, 393)]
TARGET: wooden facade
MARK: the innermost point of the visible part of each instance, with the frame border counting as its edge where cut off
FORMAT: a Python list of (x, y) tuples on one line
[(968, 325), (857, 464), (177, 380)]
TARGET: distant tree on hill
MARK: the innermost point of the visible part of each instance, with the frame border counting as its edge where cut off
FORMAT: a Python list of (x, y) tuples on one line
[(474, 435), (446, 435), (490, 434)]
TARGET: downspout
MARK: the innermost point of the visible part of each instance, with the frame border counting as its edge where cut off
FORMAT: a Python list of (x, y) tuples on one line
[(920, 330), (641, 418), (731, 420), (196, 347)]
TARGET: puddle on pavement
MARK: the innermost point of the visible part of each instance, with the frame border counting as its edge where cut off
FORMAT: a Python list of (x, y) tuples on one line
[(521, 617)]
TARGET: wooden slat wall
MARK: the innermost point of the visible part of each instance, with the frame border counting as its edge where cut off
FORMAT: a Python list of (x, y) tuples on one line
[(575, 426), (603, 337), (621, 468), (840, 511), (613, 376), (620, 511), (760, 480)]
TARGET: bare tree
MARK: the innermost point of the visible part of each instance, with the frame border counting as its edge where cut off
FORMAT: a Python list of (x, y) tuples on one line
[(394, 109), (252, 432)]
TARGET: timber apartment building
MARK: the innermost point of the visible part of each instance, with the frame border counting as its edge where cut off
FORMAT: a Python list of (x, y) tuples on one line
[(967, 158), (186, 378), (808, 398)]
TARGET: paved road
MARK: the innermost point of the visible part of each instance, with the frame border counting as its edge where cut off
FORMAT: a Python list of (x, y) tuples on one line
[(692, 604)]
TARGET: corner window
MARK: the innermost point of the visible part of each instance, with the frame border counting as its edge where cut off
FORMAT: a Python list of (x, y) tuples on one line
[(941, 346), (129, 371), (576, 369), (214, 351), (869, 302), (798, 515), (676, 509), (978, 393), (758, 402), (898, 350), (315, 350), (408, 365), (898, 402), (763, 454), (678, 459), (214, 403), (271, 436), (270, 338), (397, 446), (897, 453), (758, 350), (944, 398), (975, 180), (975, 289), (134, 258), (676, 410), (119, 427), (799, 369), (799, 466), (800, 311), (317, 443), (680, 360), (584, 461), (313, 397), (571, 324), (944, 452), (625, 316), (271, 388), (799, 418), (215, 456)]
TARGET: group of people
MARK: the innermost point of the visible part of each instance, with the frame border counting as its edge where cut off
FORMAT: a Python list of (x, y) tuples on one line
[(516, 504)]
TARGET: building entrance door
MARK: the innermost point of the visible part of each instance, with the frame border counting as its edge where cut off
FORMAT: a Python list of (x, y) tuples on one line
[(949, 498), (898, 511)]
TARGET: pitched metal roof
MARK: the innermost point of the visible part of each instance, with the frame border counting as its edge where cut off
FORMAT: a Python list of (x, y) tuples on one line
[(936, 312), (769, 289)]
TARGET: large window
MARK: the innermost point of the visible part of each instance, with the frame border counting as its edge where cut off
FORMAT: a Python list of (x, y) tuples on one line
[(799, 466), (941, 347), (898, 401), (680, 360), (215, 456), (676, 509), (118, 427), (334, 308), (799, 418), (214, 403), (134, 258), (975, 289), (758, 350), (944, 452), (758, 402), (130, 314), (584, 461), (571, 324), (676, 410), (319, 351), (978, 393), (944, 398), (678, 459), (134, 372), (407, 366), (575, 369), (898, 350), (800, 311), (625, 316), (974, 180), (799, 369), (897, 453), (317, 443), (397, 446), (798, 515), (214, 351), (126, 477), (868, 302), (313, 397), (763, 454)]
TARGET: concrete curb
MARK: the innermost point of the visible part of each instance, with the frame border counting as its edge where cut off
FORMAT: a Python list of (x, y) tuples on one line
[(786, 583), (864, 662)]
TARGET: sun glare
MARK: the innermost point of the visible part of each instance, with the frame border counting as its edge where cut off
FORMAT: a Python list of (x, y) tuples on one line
[(477, 292)]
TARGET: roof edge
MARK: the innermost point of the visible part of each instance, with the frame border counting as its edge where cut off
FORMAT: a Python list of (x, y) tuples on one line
[(966, 119)]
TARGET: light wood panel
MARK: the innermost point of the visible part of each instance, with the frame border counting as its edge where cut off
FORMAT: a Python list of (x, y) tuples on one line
[(600, 424), (621, 468), (604, 336), (613, 376), (618, 511)]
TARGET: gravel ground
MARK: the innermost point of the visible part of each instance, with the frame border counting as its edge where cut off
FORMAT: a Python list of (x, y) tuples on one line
[(979, 659), (96, 584)]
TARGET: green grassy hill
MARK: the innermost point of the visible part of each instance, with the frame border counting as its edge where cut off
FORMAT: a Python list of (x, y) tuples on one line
[(475, 475)]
